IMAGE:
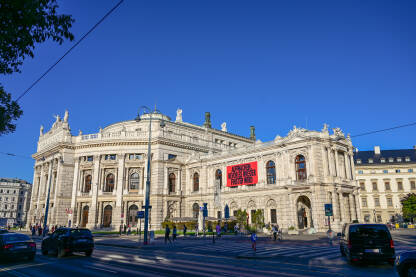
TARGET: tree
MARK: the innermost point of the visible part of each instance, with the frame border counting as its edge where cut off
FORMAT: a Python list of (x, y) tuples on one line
[(258, 219), (241, 217), (23, 24), (409, 206)]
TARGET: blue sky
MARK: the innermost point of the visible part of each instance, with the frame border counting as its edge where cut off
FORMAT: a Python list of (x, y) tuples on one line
[(272, 64)]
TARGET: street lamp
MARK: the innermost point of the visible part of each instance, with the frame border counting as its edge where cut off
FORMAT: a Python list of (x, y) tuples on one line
[(147, 196)]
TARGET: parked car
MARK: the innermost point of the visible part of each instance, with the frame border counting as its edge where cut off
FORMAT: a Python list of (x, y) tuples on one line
[(14, 246), (361, 242), (67, 240), (406, 264)]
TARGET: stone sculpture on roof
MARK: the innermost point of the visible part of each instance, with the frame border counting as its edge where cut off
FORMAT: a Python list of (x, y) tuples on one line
[(178, 115), (224, 127)]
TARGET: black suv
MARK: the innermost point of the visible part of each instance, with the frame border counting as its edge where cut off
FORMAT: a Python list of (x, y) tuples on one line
[(361, 242), (67, 240)]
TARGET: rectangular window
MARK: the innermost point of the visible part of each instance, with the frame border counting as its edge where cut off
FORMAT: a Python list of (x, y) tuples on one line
[(367, 218), (138, 156), (273, 216), (399, 159), (362, 186), (387, 185), (131, 156), (234, 213), (397, 170), (383, 160), (412, 185), (112, 157), (360, 172), (219, 214), (391, 160), (364, 201), (358, 161), (377, 202), (375, 186), (385, 171), (389, 202), (171, 156), (378, 218), (90, 158), (399, 186), (407, 159), (410, 170), (370, 161)]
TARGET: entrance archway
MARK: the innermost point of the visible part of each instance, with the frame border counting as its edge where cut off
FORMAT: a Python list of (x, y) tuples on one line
[(304, 212), (108, 214), (84, 219), (132, 219)]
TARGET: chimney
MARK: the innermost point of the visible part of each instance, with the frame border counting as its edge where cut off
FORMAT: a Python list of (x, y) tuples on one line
[(207, 122), (252, 133), (377, 150)]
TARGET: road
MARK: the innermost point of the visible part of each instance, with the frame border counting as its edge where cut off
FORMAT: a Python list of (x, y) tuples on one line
[(203, 258)]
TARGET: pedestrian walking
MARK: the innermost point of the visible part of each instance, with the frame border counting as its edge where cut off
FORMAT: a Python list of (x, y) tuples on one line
[(129, 230), (236, 229), (218, 229), (167, 233), (184, 230), (253, 240), (274, 230), (121, 229), (174, 233), (33, 231)]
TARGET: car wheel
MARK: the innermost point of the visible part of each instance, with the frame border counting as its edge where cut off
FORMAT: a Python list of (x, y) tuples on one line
[(411, 271), (88, 253), (60, 252)]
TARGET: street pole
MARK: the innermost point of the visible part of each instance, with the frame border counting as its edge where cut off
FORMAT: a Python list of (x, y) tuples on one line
[(146, 205), (45, 222)]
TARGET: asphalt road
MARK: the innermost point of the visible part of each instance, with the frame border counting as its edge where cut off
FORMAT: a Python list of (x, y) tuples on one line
[(294, 258)]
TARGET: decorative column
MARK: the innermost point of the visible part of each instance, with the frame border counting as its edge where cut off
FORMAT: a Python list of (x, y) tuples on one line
[(352, 167), (352, 207), (30, 211), (357, 205), (100, 214), (335, 205), (336, 163), (92, 214), (74, 193), (119, 193), (342, 207), (126, 210), (165, 180), (347, 166), (41, 181), (325, 162), (330, 163)]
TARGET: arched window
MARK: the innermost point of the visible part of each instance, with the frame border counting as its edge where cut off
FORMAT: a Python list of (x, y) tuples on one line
[(172, 181), (218, 177), (271, 172), (196, 181), (300, 167), (134, 181), (109, 183), (87, 183)]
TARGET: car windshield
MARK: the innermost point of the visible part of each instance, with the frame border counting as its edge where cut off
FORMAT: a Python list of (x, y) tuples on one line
[(80, 232), (15, 237), (369, 232)]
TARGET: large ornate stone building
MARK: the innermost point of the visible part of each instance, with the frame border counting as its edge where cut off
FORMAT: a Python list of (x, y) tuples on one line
[(98, 180), (384, 177)]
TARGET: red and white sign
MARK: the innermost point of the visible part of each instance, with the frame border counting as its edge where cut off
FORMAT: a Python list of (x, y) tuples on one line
[(68, 211), (242, 174)]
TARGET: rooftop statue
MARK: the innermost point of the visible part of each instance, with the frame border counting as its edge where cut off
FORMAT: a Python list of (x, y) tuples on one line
[(178, 115), (41, 130), (66, 116), (338, 132), (224, 127)]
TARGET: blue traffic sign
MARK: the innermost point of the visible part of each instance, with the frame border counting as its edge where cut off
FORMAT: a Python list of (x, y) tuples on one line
[(140, 214), (205, 210), (328, 210)]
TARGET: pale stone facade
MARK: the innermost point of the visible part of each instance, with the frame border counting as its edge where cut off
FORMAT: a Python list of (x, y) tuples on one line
[(384, 177), (98, 180), (14, 201)]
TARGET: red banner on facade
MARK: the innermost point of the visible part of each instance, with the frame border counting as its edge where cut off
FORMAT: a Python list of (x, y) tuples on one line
[(242, 174)]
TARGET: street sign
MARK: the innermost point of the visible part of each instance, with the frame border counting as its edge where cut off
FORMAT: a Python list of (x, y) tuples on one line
[(328, 210), (140, 214)]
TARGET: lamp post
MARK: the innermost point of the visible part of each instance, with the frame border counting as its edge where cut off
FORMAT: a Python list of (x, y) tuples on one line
[(147, 196)]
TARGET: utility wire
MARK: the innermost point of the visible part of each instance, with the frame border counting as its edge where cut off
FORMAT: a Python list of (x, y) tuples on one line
[(70, 49), (383, 130), (359, 135)]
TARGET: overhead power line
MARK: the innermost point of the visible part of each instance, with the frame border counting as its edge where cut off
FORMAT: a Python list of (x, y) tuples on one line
[(383, 130), (15, 155), (70, 49)]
